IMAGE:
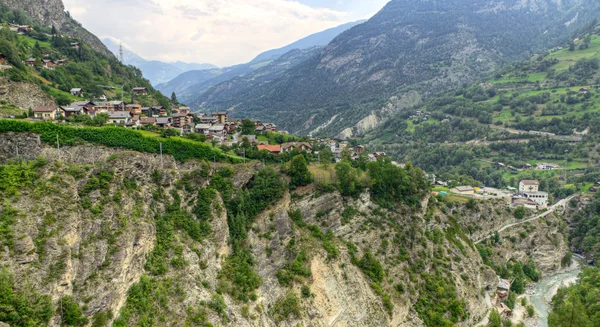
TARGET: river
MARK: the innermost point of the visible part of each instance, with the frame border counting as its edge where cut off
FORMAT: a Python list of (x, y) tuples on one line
[(542, 292)]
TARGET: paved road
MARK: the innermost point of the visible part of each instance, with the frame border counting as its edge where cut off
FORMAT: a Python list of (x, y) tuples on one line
[(550, 210)]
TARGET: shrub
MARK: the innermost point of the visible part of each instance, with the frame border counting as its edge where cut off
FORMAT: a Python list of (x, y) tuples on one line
[(71, 313), (286, 307)]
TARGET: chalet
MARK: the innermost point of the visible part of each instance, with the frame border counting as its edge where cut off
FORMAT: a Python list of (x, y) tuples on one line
[(135, 121), (3, 59), (275, 149), (48, 64), (75, 45), (104, 107), (202, 128), (188, 128), (218, 131), (185, 110), (47, 112), (102, 98), (160, 110), (359, 149), (298, 146), (46, 54), (463, 190), (164, 122), (179, 120), (584, 91), (21, 29), (500, 165), (524, 202), (222, 117), (147, 111), (30, 62), (593, 189), (119, 117), (78, 92), (135, 109), (208, 120), (260, 129), (147, 121), (527, 167), (61, 62), (269, 127), (81, 108), (140, 91)]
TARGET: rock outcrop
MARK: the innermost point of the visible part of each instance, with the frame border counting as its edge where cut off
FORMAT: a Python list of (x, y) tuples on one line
[(52, 12), (24, 95), (96, 246)]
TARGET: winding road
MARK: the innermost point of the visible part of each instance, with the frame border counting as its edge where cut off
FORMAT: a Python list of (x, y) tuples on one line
[(561, 203)]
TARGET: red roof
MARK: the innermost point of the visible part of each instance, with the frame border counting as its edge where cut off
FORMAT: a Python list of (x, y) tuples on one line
[(270, 148)]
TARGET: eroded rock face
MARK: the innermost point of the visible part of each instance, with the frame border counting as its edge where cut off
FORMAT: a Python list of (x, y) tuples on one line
[(63, 247), (24, 95)]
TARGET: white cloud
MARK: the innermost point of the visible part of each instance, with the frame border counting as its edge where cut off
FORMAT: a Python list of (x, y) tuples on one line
[(222, 32)]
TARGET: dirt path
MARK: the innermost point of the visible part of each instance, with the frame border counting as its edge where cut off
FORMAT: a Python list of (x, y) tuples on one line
[(550, 210)]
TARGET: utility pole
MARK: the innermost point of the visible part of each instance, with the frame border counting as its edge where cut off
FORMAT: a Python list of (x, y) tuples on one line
[(121, 57), (58, 146), (161, 159)]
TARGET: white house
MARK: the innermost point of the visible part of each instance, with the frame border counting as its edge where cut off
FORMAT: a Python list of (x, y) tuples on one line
[(529, 186)]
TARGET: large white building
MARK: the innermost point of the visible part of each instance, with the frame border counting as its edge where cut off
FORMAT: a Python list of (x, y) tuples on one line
[(529, 186), (540, 198), (530, 189)]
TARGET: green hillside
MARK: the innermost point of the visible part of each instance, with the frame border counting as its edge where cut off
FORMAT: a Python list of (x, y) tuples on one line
[(84, 67), (542, 110)]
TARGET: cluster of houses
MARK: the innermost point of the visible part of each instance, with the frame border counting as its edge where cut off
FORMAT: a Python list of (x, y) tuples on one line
[(419, 117), (216, 126), (541, 166)]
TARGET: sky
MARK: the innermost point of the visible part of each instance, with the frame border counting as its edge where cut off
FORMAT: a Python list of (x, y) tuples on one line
[(219, 32)]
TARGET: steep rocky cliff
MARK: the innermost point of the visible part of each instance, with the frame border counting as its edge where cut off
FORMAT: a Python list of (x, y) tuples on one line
[(98, 224), (52, 12), (24, 95)]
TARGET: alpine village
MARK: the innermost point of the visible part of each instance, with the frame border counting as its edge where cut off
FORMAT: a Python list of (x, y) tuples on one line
[(436, 165)]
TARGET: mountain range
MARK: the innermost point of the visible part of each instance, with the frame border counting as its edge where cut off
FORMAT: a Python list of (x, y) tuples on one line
[(190, 85), (155, 71), (406, 52)]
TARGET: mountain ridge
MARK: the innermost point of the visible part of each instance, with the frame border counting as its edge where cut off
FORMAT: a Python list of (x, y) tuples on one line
[(403, 48), (154, 70), (189, 87)]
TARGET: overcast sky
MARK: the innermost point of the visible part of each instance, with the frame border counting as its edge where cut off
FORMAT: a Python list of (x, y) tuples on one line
[(220, 32)]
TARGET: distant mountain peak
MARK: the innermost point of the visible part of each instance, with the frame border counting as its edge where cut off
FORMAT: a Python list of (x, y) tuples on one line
[(156, 71)]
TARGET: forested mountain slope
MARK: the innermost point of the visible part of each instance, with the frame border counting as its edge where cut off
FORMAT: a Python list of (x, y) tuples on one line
[(415, 45), (52, 12), (74, 64)]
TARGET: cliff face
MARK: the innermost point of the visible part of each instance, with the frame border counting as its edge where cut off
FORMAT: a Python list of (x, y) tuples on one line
[(24, 95), (89, 225), (52, 12)]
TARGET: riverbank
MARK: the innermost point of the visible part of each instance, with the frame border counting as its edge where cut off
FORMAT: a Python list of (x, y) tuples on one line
[(540, 295)]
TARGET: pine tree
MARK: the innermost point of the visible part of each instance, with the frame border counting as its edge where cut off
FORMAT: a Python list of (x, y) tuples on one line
[(299, 172), (53, 32), (174, 98)]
